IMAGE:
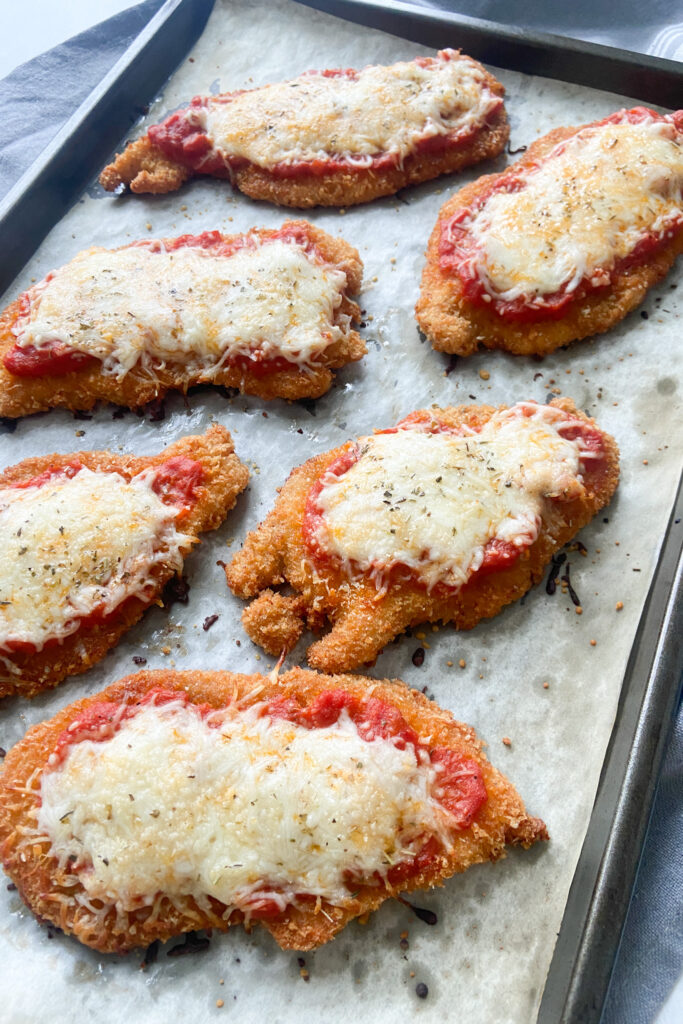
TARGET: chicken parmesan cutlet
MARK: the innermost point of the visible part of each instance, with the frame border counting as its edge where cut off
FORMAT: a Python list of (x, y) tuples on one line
[(327, 138), (181, 800), (89, 540), (268, 312), (448, 516), (563, 244)]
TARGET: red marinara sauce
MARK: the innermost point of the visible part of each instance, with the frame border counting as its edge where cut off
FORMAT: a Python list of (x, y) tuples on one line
[(458, 250), (102, 719), (176, 482), (498, 554), (57, 358), (459, 788), (182, 138)]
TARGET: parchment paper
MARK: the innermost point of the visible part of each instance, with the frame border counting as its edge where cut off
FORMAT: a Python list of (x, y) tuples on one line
[(487, 958)]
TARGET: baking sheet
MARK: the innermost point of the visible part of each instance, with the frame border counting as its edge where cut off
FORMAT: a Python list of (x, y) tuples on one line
[(489, 954)]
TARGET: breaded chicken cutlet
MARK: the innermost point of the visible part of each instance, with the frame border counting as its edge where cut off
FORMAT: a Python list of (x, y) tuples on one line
[(89, 540), (298, 803), (448, 516), (563, 244), (268, 312), (327, 138)]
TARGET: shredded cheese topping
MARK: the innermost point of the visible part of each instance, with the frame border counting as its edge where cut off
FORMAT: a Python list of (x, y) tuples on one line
[(145, 305), (432, 501), (73, 546), (378, 110), (232, 806), (587, 205)]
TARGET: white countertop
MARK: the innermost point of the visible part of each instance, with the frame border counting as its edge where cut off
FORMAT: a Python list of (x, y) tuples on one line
[(30, 27)]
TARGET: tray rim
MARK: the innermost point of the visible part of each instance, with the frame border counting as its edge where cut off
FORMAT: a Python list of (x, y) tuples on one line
[(54, 181), (598, 900), (630, 74)]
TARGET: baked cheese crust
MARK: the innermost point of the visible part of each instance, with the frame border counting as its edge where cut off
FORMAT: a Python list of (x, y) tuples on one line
[(360, 556), (45, 768), (86, 541), (327, 138), (563, 244), (269, 313)]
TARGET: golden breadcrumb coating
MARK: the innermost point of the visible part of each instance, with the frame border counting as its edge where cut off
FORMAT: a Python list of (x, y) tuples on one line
[(275, 622), (225, 477), (81, 389), (501, 820), (144, 168), (363, 618)]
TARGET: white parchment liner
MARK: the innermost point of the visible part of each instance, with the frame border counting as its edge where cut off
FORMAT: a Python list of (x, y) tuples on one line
[(487, 958)]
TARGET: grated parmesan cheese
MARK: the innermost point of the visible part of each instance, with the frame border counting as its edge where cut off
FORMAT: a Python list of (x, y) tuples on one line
[(72, 546), (431, 501), (378, 110), (145, 305), (234, 806), (587, 205)]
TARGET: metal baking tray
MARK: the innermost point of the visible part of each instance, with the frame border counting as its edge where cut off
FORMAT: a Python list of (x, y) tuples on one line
[(600, 893), (54, 182)]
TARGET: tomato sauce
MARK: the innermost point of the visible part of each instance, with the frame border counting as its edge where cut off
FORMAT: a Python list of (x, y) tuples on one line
[(69, 471), (54, 359), (102, 719), (177, 481), (458, 250), (312, 519)]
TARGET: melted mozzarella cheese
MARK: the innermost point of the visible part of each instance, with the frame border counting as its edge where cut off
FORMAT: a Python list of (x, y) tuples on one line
[(585, 207), (72, 546), (175, 805), (188, 306), (381, 110), (432, 501)]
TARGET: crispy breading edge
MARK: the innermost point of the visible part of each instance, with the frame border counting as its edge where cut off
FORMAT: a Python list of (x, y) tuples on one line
[(225, 478), (502, 819), (81, 389), (454, 324), (144, 168), (363, 619)]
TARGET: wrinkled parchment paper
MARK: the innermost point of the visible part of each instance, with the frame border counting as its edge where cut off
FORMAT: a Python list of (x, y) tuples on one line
[(486, 960)]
